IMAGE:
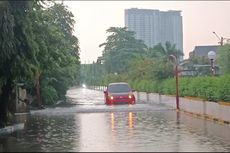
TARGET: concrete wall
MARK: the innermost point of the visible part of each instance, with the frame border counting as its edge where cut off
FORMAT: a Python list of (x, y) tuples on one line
[(20, 105), (212, 110)]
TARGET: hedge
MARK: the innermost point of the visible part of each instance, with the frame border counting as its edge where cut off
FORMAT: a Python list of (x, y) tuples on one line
[(206, 87)]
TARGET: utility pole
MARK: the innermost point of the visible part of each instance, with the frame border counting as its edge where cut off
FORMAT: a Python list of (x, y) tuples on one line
[(221, 39), (173, 59)]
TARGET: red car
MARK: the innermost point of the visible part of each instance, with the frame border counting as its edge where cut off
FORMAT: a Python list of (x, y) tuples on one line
[(119, 93)]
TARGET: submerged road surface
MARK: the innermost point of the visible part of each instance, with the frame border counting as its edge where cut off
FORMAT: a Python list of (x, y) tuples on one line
[(92, 126)]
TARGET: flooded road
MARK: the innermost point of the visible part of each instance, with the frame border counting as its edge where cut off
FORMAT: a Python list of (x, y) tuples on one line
[(92, 126)]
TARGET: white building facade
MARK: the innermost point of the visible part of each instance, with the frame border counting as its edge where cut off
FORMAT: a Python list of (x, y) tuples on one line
[(154, 26)]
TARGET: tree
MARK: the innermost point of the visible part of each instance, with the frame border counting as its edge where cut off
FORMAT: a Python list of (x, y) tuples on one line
[(223, 58), (37, 46), (59, 49), (141, 68), (160, 54), (121, 47), (165, 51), (201, 70), (16, 49)]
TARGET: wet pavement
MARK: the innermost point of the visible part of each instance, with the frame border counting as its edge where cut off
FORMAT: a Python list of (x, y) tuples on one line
[(92, 126)]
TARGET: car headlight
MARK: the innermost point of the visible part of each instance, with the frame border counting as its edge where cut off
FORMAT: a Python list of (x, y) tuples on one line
[(111, 97), (130, 96)]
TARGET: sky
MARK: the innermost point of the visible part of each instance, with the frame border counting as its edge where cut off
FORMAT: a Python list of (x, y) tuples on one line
[(200, 20)]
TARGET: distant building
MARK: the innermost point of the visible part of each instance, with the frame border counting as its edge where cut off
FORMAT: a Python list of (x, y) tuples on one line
[(100, 60), (154, 26), (202, 51), (203, 67)]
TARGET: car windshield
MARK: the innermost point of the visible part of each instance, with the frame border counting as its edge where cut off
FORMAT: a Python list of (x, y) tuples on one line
[(116, 88)]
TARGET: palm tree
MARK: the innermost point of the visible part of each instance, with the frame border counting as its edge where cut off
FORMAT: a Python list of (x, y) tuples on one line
[(160, 51), (160, 54)]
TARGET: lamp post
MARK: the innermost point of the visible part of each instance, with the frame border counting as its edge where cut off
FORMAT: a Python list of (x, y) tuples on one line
[(174, 61), (212, 57)]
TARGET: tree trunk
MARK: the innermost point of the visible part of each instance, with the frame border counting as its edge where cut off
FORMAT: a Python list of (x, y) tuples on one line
[(38, 91), (4, 99)]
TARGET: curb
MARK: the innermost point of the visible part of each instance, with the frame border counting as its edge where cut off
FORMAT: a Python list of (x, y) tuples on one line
[(224, 103), (12, 128), (206, 117)]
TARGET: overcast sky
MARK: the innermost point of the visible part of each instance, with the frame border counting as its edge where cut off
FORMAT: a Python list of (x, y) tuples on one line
[(200, 19)]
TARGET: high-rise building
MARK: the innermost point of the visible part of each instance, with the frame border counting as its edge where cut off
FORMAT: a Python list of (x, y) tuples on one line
[(154, 26)]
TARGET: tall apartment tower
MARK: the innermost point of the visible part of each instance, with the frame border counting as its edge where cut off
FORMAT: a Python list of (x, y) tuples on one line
[(154, 26)]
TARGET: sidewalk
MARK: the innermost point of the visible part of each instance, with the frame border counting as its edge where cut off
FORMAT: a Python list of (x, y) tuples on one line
[(215, 111), (12, 128)]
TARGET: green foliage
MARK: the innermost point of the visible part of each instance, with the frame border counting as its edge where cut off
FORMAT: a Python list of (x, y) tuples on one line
[(164, 51), (168, 86), (120, 48), (92, 74), (151, 71), (203, 87), (37, 46), (60, 48), (201, 70), (224, 58), (224, 88), (141, 67), (109, 78), (162, 69), (15, 40), (49, 95), (153, 64), (208, 88)]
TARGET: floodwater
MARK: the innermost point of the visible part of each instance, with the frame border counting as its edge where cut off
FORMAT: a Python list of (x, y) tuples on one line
[(91, 126)]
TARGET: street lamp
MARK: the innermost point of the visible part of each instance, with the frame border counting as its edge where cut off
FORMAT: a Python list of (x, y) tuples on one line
[(212, 57), (174, 61)]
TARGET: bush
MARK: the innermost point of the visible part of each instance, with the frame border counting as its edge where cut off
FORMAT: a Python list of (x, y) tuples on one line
[(184, 86), (49, 95), (224, 88), (206, 87)]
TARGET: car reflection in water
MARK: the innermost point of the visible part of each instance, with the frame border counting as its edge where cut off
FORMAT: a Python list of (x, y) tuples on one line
[(119, 118)]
